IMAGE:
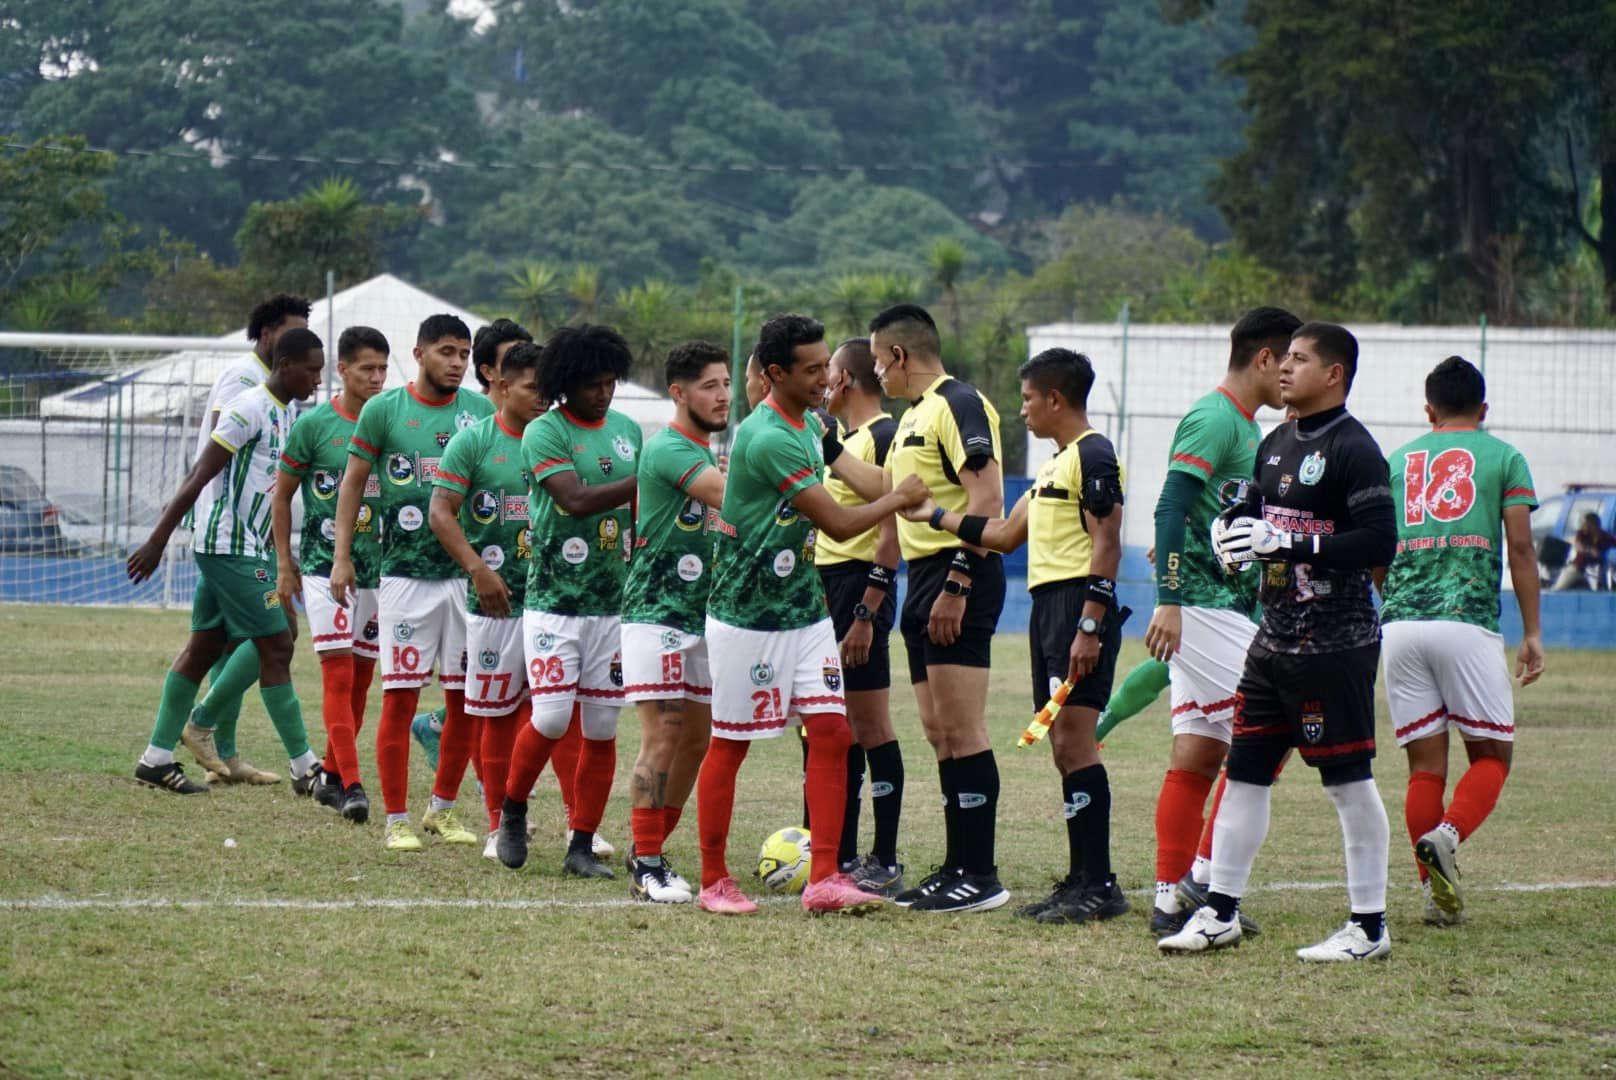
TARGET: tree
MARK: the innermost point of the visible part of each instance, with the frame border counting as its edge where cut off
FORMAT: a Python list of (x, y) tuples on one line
[(535, 289), (289, 246), (948, 257)]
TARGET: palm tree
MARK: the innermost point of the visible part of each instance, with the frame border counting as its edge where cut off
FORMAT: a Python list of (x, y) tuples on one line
[(583, 289), (535, 289), (651, 317), (947, 262)]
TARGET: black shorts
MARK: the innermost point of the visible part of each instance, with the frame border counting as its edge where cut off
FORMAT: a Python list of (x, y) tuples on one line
[(974, 647), (1322, 704), (1056, 607), (844, 589)]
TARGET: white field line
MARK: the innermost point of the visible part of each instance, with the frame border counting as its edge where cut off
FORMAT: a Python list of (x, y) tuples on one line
[(108, 903)]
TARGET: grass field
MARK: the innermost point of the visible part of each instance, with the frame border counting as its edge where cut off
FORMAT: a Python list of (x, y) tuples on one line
[(134, 941)]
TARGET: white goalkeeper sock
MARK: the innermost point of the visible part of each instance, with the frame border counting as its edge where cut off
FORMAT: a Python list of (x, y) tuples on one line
[(1367, 836), (1238, 834)]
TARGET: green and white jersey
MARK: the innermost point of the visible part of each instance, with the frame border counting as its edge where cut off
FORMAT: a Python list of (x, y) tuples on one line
[(317, 453), (243, 373), (484, 464), (671, 574), (1450, 489), (232, 513), (763, 575), (403, 436), (578, 564), (1216, 442)]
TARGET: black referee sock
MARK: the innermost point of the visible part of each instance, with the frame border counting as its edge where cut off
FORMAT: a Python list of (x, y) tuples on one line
[(946, 775), (850, 814), (977, 779), (886, 799), (1087, 794), (1374, 923)]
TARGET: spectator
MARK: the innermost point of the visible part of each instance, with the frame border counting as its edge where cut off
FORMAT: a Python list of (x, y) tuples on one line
[(1584, 570)]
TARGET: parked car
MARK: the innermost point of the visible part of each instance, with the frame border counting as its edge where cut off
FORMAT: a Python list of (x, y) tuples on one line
[(29, 522), (102, 525), (1554, 528)]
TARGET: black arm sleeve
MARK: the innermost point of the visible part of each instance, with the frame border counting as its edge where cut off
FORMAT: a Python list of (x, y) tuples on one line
[(1372, 540), (1179, 493)]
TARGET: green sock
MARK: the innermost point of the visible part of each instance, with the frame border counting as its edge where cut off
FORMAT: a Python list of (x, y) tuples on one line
[(228, 683), (286, 713), (179, 694), (1143, 685), (226, 717)]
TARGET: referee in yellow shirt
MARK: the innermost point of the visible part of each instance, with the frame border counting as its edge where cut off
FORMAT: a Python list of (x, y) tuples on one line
[(949, 437), (1071, 522)]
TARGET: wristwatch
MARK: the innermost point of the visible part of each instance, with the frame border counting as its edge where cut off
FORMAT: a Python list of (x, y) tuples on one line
[(862, 612), (956, 588), (1088, 626)]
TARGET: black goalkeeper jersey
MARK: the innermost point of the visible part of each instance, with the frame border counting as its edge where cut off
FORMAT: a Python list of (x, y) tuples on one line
[(1323, 476)]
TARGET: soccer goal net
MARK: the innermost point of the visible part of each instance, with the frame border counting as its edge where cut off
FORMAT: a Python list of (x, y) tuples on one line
[(96, 432)]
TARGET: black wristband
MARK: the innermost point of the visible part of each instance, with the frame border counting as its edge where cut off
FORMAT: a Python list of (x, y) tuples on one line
[(937, 518), (971, 528), (963, 563), (830, 447), (1102, 590), (882, 577)]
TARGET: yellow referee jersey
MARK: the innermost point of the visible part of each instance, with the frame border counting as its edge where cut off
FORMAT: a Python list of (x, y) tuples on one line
[(949, 428), (1058, 544), (869, 442)]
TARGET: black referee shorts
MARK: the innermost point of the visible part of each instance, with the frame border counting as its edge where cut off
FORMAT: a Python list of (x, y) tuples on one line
[(1056, 608), (1323, 704), (974, 647), (845, 583)]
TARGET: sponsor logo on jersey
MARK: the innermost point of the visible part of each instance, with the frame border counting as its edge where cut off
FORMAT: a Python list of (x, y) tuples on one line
[(1274, 460), (410, 518), (692, 516), (832, 676), (1312, 470), (1285, 483), (785, 513), (574, 550), (489, 659), (1231, 492), (622, 448), (373, 487), (514, 508), (524, 544), (484, 507), (328, 530), (400, 468), (429, 469), (261, 575), (324, 483), (494, 556), (785, 562), (689, 567), (362, 520), (762, 673), (1074, 806), (1313, 721), (403, 631), (608, 530)]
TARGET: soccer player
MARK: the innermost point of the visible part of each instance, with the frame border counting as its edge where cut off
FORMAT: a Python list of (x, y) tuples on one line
[(231, 486), (1324, 521), (1139, 690), (665, 664), (420, 601), (1202, 625), (1071, 522), (581, 459), (344, 639), (771, 641), (949, 438), (479, 513), (1451, 489), (860, 579), (488, 348), (210, 734)]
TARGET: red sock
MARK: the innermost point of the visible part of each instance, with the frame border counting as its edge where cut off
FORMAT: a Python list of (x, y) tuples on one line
[(336, 709), (597, 767), (1204, 851), (528, 755), (825, 784), (498, 741), (645, 826), (569, 748), (715, 804), (1178, 822), (670, 818), (1475, 795), (477, 726), (1422, 807), (393, 747), (454, 745), (364, 670)]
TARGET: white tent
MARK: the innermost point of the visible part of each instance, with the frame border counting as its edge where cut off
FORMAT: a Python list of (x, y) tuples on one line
[(158, 387)]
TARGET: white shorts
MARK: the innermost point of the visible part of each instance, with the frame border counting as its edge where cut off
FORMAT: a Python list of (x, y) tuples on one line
[(571, 657), (1206, 670), (423, 627), (766, 679), (335, 627), (496, 669), (660, 663), (1442, 673)]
